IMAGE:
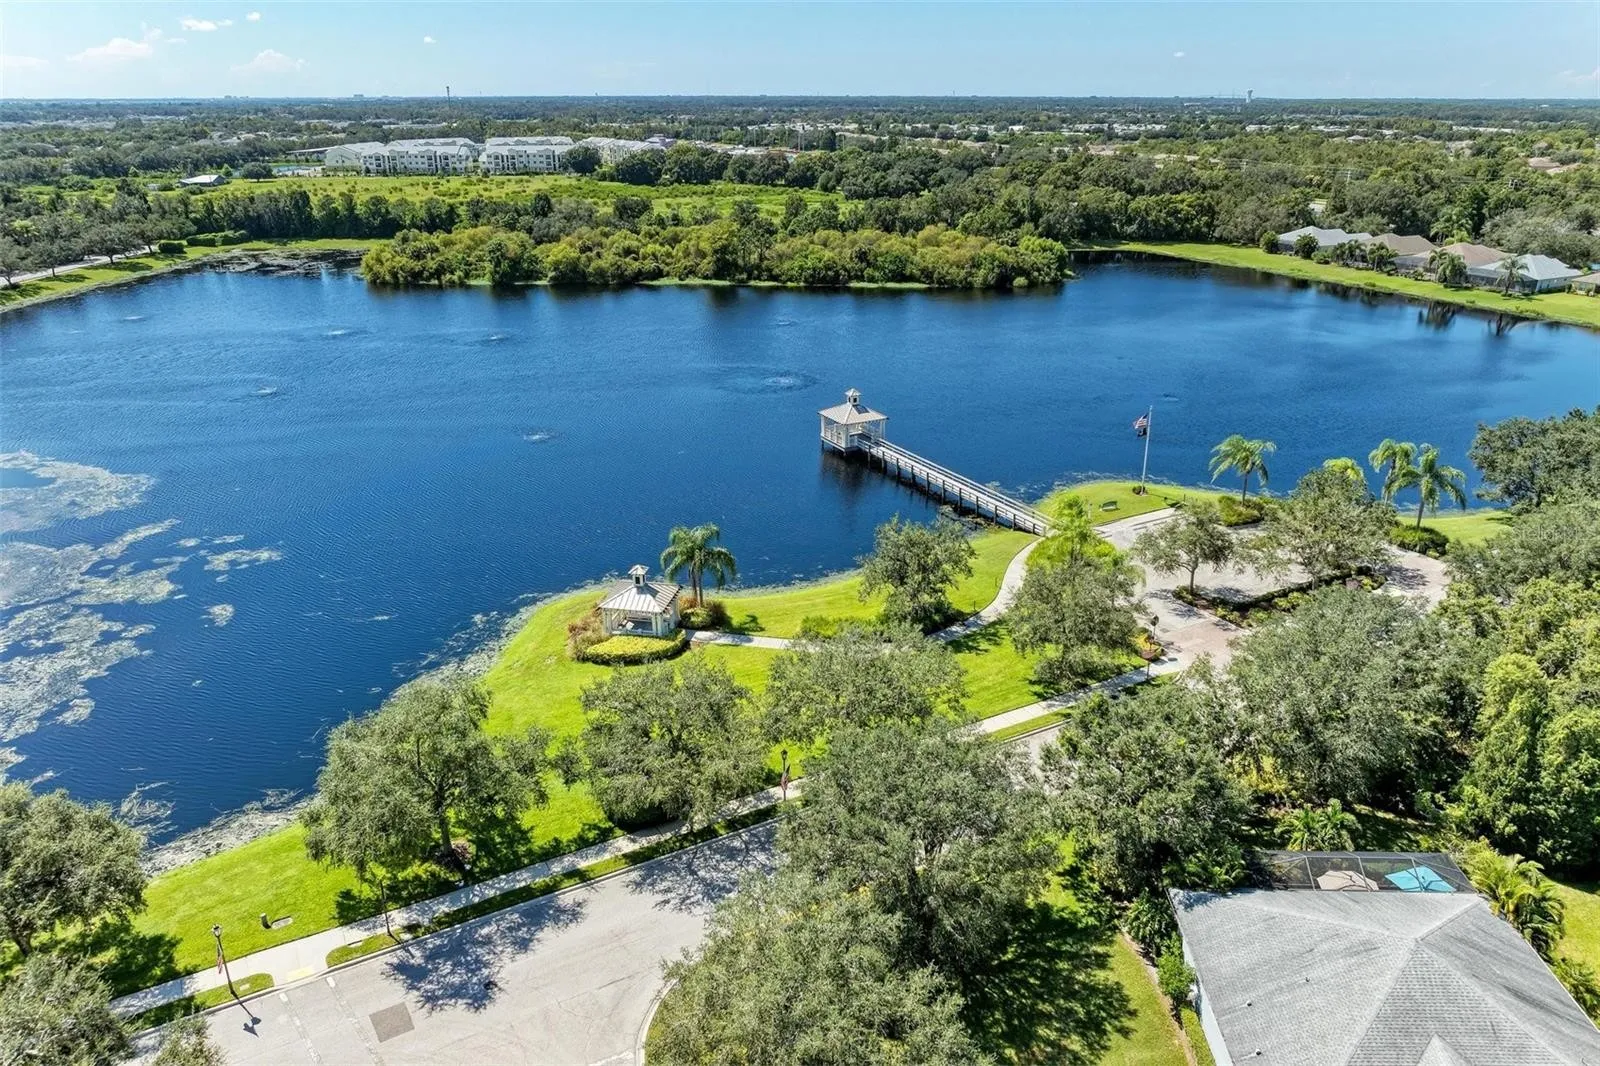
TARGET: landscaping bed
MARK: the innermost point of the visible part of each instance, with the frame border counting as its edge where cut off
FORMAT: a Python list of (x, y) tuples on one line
[(1259, 609)]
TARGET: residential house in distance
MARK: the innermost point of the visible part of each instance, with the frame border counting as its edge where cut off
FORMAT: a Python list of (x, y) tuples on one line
[(202, 181), (1410, 253), (614, 150), (1537, 273), (523, 155), (1381, 959), (639, 607), (1326, 238), (1474, 254), (1587, 283)]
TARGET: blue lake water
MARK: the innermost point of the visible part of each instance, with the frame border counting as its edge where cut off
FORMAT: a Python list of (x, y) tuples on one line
[(252, 505)]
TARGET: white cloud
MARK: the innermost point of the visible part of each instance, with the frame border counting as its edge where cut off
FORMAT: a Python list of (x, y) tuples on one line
[(119, 49), (427, 40), (1177, 55), (270, 61), (1575, 77), (194, 25), (254, 16), (23, 63)]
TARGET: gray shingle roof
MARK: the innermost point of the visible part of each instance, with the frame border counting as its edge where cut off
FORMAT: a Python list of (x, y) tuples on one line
[(1377, 979)]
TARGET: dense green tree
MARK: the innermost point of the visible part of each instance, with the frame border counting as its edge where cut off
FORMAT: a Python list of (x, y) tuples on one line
[(427, 741), (917, 565), (859, 677), (1560, 541), (367, 816), (1351, 697), (1305, 246), (1195, 537), (1328, 526), (1072, 536), (695, 551), (1143, 785), (939, 829), (791, 972), (1079, 615), (511, 259), (1528, 462), (57, 1013), (61, 863), (675, 740), (1245, 457), (582, 159)]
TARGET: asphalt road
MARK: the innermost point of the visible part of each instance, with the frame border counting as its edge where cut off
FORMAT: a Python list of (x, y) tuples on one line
[(565, 980)]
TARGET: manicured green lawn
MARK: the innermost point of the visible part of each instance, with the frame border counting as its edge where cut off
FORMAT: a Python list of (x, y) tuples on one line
[(1151, 1038), (779, 612), (1469, 527), (1582, 939), (1111, 500), (1569, 307)]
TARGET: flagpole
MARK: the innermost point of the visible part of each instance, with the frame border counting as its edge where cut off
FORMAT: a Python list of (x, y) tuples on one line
[(1149, 423)]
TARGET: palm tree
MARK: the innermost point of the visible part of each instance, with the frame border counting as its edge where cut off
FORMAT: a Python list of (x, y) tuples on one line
[(1389, 457), (1512, 267), (1432, 479), (1447, 268), (1517, 890), (1330, 828), (697, 551), (1348, 467), (1243, 455)]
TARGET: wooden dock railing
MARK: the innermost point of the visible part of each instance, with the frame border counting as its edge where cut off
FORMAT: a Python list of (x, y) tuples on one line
[(950, 486)]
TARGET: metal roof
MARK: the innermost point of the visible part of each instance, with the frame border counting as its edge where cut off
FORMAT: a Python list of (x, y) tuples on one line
[(1376, 979), (650, 597), (851, 412), (1534, 268)]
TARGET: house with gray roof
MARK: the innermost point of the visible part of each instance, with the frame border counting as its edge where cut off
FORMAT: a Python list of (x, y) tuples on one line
[(1326, 238), (1365, 968), (1535, 273), (1410, 252), (1474, 254), (640, 607)]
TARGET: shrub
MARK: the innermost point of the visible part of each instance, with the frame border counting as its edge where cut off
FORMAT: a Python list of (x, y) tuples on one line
[(819, 625), (1236, 512), (584, 634), (712, 614), (1148, 921), (170, 247), (628, 651), (1174, 975), (203, 240), (1424, 539)]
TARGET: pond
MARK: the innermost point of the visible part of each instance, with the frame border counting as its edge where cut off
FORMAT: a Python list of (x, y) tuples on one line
[(246, 507)]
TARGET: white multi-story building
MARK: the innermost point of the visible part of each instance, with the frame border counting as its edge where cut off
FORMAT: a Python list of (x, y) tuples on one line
[(614, 150), (524, 155), (350, 156)]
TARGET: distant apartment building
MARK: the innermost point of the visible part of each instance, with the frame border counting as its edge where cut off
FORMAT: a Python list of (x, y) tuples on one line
[(524, 155), (615, 149), (432, 155)]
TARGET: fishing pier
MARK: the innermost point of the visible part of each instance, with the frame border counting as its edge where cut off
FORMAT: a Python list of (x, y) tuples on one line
[(852, 429)]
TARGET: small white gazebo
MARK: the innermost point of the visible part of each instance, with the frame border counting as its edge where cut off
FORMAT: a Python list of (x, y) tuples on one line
[(639, 607), (847, 425)]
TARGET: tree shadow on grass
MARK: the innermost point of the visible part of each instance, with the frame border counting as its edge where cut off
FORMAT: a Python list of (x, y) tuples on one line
[(132, 959), (500, 845), (1053, 997), (461, 967)]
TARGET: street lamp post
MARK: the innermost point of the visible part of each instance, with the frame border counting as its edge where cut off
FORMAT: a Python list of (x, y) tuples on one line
[(222, 966)]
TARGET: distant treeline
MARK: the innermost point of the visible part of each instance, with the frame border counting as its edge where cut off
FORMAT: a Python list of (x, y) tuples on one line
[(1409, 187), (744, 246)]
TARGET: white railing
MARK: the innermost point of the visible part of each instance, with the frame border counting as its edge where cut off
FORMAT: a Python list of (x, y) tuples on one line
[(945, 482)]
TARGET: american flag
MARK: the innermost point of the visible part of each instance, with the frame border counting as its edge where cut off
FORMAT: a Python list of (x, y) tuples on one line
[(1141, 425)]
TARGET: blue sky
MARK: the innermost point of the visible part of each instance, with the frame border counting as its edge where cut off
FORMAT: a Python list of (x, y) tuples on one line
[(137, 49)]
